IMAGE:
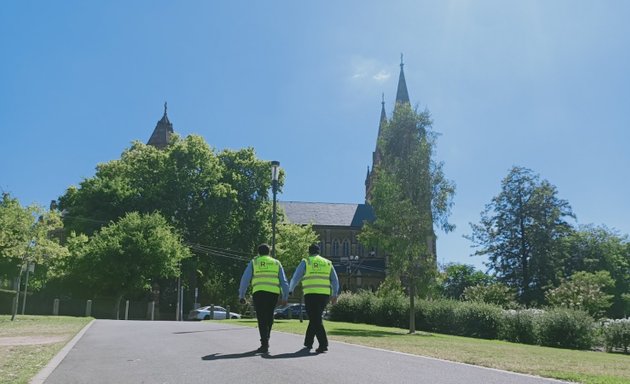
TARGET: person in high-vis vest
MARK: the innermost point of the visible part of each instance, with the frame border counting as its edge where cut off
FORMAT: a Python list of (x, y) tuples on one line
[(268, 284), (320, 285)]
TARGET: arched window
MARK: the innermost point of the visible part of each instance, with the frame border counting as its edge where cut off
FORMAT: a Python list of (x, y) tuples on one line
[(346, 248), (335, 248)]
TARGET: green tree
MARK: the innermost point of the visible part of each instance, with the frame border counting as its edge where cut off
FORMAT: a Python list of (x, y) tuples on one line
[(521, 231), (494, 293), (292, 244), (125, 257), (26, 237), (584, 291), (409, 195), (456, 277), (598, 248), (218, 202)]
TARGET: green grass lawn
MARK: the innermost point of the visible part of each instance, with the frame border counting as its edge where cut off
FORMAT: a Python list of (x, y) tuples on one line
[(30, 342), (578, 366)]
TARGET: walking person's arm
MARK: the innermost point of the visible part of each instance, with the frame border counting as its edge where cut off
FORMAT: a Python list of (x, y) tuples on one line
[(245, 280), (297, 276), (284, 286), (334, 282)]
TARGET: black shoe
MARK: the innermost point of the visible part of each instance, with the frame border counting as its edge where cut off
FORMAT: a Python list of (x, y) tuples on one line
[(263, 349), (308, 346), (321, 349)]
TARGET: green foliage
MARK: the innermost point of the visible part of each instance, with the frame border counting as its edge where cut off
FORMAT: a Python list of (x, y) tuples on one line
[(519, 326), (216, 201), (593, 249), (584, 291), (565, 328), (409, 193), (27, 235), (292, 244), (455, 278), (521, 232), (126, 256), (616, 334), (496, 293)]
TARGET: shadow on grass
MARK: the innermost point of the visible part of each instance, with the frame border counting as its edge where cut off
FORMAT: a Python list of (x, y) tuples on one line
[(372, 333)]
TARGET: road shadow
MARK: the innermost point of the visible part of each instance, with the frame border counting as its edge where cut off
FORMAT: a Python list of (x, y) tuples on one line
[(211, 330), (291, 355), (218, 356)]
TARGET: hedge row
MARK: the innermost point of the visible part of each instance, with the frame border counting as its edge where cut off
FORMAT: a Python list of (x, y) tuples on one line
[(556, 327)]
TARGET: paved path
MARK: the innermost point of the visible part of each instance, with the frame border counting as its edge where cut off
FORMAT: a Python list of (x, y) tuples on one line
[(113, 351)]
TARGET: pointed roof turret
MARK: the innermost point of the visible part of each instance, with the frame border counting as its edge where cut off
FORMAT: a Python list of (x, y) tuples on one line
[(402, 96), (162, 133)]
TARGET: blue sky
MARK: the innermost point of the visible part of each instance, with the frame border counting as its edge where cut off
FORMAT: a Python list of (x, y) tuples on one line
[(539, 84)]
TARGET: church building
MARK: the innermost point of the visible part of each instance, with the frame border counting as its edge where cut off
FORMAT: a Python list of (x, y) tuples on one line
[(337, 224)]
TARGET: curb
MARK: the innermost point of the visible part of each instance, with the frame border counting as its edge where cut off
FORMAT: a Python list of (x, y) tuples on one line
[(43, 374)]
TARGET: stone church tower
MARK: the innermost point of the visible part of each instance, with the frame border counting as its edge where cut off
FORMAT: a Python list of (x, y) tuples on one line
[(162, 133), (402, 97)]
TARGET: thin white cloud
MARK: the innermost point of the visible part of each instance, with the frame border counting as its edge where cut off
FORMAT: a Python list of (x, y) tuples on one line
[(382, 76), (366, 68)]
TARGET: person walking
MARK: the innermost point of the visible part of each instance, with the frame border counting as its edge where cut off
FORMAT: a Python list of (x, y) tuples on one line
[(268, 283), (320, 284)]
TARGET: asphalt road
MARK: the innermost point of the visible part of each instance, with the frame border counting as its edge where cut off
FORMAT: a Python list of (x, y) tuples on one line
[(111, 351)]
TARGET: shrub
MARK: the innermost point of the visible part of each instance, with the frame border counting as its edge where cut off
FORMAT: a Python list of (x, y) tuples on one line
[(616, 334), (565, 328), (519, 326), (437, 316), (391, 310), (477, 320)]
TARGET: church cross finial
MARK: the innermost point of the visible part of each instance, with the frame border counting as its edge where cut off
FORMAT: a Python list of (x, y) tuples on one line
[(383, 98), (165, 107), (401, 60)]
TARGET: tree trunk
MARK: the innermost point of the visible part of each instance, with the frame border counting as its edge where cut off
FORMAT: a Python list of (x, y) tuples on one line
[(412, 300)]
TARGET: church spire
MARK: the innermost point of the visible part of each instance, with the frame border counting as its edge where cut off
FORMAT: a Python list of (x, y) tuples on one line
[(383, 115), (162, 133), (402, 96)]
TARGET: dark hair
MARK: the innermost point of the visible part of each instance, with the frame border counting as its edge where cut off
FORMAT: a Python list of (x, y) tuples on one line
[(263, 249), (313, 249)]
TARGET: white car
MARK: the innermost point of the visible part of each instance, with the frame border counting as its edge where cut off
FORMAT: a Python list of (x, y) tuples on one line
[(203, 313)]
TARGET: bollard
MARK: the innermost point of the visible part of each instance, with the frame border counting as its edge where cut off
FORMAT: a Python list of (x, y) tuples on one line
[(152, 310), (211, 311), (227, 312), (88, 308), (127, 310), (56, 307)]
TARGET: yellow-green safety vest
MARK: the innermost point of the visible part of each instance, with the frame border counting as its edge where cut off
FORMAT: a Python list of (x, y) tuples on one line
[(265, 277), (317, 275)]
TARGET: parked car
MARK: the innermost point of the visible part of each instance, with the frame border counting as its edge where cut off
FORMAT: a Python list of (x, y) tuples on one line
[(294, 309), (203, 313)]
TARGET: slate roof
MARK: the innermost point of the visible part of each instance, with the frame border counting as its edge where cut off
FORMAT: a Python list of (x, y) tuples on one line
[(327, 214)]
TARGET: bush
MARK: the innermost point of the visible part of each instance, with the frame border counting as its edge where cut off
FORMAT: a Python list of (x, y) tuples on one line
[(519, 326), (616, 334), (477, 320), (437, 316), (565, 328), (391, 310)]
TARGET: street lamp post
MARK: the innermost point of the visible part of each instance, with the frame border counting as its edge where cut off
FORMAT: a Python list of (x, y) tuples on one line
[(275, 171)]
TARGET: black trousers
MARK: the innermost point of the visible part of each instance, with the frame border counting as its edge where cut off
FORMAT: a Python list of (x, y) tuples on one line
[(264, 304), (315, 305)]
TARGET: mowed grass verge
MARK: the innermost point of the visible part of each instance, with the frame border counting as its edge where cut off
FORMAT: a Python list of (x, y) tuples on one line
[(578, 366), (30, 342)]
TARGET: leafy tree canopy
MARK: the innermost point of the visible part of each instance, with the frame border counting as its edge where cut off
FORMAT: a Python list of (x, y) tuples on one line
[(521, 232)]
